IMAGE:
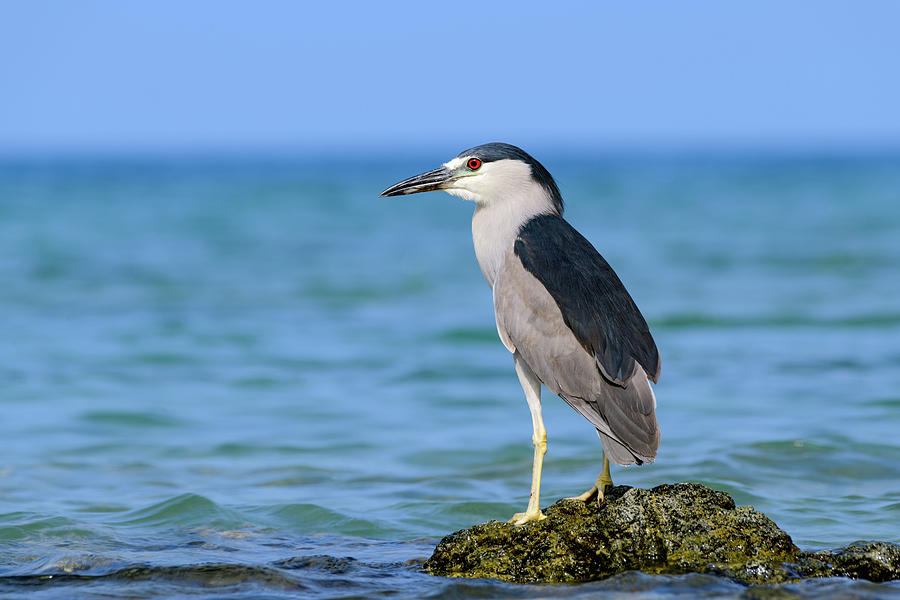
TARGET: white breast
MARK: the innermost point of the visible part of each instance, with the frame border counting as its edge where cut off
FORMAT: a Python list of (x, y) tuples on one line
[(496, 225), (494, 231)]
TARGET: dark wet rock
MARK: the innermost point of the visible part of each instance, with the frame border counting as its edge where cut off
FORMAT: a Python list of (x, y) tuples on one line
[(680, 528), (875, 561)]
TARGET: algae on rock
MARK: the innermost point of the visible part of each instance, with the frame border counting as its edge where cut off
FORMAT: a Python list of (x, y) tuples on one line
[(677, 528)]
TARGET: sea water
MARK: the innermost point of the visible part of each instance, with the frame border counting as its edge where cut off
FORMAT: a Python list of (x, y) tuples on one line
[(253, 378)]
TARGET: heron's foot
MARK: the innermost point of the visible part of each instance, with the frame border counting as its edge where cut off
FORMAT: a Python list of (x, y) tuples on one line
[(522, 518), (596, 490), (584, 496), (603, 482)]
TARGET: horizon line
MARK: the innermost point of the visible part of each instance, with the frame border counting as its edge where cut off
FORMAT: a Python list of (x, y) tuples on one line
[(369, 151)]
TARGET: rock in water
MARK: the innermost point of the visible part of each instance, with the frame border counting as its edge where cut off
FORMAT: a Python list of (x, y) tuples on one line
[(678, 528)]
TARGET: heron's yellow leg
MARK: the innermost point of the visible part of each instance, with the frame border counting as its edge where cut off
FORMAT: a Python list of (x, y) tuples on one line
[(533, 512), (532, 386), (597, 489)]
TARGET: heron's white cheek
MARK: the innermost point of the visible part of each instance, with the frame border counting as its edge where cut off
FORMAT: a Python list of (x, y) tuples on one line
[(463, 193)]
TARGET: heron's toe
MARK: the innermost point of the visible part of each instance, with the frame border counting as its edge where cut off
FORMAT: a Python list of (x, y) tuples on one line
[(522, 518), (584, 497)]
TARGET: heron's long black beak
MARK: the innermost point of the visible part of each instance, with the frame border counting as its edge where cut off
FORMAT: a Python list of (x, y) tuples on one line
[(426, 182)]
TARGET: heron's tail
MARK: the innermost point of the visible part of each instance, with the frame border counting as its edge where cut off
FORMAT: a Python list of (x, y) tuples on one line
[(625, 418), (630, 413)]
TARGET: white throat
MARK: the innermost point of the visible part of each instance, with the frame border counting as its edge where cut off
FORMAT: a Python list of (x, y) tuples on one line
[(506, 198)]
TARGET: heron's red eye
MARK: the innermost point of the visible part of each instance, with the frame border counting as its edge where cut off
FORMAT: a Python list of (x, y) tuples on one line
[(473, 164)]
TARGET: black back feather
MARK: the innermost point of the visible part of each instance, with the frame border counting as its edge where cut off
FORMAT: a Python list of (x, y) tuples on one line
[(594, 303)]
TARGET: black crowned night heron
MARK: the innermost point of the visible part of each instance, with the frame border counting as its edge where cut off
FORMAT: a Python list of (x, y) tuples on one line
[(560, 308)]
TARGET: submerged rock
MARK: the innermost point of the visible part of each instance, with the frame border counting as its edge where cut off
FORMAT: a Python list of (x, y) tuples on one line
[(680, 528)]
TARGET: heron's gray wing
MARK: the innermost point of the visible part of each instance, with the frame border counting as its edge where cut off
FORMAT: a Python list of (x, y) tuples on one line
[(531, 323), (593, 302)]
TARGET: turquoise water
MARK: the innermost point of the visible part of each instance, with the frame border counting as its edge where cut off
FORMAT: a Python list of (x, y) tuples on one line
[(255, 379)]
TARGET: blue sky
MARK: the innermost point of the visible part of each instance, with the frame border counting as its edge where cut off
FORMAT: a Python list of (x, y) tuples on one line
[(276, 75)]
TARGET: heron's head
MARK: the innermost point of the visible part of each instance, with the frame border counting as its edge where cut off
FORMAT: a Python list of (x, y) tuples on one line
[(487, 174)]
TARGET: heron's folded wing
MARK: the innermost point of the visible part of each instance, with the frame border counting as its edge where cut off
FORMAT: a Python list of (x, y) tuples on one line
[(591, 298)]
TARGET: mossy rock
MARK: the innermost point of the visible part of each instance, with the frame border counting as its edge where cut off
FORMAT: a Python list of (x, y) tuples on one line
[(678, 528), (875, 561)]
